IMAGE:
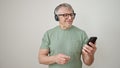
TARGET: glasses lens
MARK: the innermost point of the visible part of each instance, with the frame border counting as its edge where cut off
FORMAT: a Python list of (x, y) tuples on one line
[(67, 15)]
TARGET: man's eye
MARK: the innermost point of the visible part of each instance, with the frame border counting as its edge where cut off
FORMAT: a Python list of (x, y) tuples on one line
[(71, 14), (65, 14)]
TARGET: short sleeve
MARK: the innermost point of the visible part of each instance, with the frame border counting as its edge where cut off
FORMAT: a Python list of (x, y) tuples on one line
[(85, 38), (45, 41)]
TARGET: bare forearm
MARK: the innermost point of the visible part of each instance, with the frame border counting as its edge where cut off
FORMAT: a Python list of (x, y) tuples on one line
[(88, 60), (88, 53), (46, 59)]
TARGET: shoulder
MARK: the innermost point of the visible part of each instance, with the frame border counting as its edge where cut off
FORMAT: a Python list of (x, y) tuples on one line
[(52, 30), (81, 33), (78, 29)]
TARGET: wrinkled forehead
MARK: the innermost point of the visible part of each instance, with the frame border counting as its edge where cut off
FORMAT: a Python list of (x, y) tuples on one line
[(64, 10)]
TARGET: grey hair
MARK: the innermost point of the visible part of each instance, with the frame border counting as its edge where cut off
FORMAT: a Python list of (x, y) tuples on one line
[(63, 5)]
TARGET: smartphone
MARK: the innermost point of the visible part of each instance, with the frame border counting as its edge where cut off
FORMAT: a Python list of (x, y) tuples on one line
[(92, 39)]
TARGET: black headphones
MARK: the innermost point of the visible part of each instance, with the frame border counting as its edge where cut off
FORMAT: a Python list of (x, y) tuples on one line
[(56, 17)]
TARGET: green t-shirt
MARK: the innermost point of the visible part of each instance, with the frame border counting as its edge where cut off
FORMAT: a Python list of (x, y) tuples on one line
[(68, 42)]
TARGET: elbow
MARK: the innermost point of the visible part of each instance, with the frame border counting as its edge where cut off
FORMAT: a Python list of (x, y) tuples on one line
[(39, 60), (88, 63)]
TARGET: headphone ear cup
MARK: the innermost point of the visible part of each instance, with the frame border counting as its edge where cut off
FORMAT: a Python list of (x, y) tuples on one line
[(74, 15), (56, 18)]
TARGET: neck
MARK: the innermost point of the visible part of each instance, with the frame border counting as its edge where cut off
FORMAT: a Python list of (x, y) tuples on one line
[(64, 27)]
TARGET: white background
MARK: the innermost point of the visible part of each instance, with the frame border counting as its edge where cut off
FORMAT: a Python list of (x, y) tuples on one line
[(23, 23)]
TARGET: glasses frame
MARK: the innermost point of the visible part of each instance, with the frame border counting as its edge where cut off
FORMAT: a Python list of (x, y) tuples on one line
[(66, 15)]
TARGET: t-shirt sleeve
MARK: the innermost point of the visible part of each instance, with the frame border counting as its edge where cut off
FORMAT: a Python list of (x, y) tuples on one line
[(45, 41), (85, 38)]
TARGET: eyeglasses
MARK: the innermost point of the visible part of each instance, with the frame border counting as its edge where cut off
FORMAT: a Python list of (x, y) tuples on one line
[(67, 15)]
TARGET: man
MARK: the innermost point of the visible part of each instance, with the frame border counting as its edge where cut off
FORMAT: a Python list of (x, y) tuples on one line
[(63, 45)]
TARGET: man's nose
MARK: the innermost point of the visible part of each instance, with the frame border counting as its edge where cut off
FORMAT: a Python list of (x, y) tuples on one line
[(69, 17)]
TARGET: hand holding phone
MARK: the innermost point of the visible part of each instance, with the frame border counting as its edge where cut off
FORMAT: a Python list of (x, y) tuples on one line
[(92, 39)]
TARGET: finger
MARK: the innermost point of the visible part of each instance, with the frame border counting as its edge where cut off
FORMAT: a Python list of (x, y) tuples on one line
[(65, 56), (92, 45), (60, 60), (63, 61), (88, 47), (88, 51), (84, 52)]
